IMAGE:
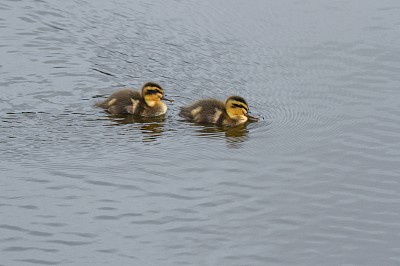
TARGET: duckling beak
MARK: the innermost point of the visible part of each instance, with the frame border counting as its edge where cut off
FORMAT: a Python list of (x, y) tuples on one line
[(165, 99), (252, 118)]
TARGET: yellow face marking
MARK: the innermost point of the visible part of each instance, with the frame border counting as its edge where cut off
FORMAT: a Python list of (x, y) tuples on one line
[(152, 99), (238, 105), (153, 91), (152, 95), (111, 102), (237, 110)]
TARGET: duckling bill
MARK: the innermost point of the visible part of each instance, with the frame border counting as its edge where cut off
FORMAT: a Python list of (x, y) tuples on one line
[(147, 103), (233, 112)]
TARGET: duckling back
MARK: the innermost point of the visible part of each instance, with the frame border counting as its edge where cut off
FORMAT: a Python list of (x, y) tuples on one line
[(205, 111), (121, 102)]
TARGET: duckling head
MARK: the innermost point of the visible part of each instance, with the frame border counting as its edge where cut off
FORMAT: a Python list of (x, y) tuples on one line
[(237, 109), (153, 94)]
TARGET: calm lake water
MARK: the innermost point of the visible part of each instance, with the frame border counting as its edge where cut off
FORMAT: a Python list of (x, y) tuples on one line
[(315, 182)]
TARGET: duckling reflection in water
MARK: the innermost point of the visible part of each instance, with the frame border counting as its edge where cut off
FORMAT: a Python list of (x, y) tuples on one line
[(151, 127), (234, 136), (147, 103), (232, 113)]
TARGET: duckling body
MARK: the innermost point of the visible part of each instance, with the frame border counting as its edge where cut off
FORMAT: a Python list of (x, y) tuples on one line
[(233, 112), (147, 103)]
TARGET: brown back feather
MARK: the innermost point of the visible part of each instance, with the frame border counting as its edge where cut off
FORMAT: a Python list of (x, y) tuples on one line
[(209, 107)]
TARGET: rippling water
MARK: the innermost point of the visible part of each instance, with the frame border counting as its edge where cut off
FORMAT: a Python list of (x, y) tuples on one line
[(315, 182)]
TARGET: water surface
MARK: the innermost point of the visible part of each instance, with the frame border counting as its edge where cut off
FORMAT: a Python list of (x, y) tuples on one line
[(314, 182)]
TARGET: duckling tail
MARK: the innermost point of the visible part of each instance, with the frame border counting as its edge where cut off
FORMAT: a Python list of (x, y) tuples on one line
[(102, 104), (185, 113)]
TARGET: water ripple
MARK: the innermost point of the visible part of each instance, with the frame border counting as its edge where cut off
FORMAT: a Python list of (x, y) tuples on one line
[(314, 182), (40, 262)]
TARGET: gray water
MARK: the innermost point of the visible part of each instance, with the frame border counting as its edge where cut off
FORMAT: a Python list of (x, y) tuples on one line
[(315, 182)]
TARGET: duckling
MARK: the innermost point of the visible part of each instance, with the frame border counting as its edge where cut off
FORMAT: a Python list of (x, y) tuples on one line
[(233, 112), (147, 103)]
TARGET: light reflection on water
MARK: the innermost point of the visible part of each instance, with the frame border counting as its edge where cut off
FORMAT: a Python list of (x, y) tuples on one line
[(314, 182)]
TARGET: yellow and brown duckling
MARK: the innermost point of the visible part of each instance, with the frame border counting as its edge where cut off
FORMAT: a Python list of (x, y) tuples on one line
[(147, 103), (233, 112)]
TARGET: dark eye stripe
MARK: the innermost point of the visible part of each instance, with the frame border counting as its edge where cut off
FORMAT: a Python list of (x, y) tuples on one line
[(240, 106), (153, 91)]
